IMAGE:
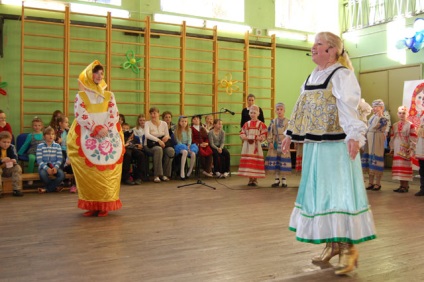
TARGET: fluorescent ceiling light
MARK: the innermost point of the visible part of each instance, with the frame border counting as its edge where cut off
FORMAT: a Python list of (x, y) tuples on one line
[(230, 27), (46, 5), (178, 20), (96, 10), (288, 34)]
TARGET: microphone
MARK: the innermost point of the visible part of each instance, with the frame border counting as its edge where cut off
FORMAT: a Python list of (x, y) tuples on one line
[(308, 54), (231, 112)]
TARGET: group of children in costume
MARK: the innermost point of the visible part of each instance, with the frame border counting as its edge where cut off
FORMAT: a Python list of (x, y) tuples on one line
[(405, 147), (253, 133)]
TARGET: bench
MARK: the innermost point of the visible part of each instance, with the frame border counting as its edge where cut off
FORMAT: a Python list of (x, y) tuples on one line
[(7, 181)]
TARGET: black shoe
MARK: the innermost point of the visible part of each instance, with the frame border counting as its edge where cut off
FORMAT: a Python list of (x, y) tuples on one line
[(420, 193), (376, 187), (18, 193), (129, 182), (284, 185), (276, 184)]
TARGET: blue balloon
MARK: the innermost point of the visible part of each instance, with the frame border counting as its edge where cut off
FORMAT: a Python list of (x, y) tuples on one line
[(415, 50), (400, 44), (409, 42), (419, 37)]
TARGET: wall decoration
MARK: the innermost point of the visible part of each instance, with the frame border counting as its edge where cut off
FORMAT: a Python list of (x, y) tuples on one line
[(414, 37), (2, 86), (132, 62), (229, 84)]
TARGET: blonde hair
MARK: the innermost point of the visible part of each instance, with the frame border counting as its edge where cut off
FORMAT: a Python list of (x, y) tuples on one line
[(179, 130), (336, 42)]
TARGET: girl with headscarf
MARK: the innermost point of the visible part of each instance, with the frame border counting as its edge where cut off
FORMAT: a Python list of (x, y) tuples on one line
[(373, 156), (403, 137), (96, 144)]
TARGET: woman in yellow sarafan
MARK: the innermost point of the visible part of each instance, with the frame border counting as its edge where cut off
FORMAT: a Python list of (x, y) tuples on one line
[(95, 144)]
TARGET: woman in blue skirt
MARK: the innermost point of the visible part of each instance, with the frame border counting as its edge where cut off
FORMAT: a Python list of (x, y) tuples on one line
[(331, 206)]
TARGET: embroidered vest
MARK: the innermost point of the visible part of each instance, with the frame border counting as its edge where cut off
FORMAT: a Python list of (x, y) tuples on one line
[(315, 116)]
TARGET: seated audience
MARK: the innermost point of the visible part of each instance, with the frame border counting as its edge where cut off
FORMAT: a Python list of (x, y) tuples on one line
[(133, 154), (4, 126), (159, 144), (9, 166), (200, 138), (49, 159), (221, 156)]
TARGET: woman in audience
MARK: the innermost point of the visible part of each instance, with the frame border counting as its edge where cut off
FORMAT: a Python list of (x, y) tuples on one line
[(221, 156), (245, 113), (159, 144), (200, 138)]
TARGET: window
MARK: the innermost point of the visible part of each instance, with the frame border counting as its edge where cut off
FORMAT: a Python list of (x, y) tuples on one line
[(109, 2), (216, 9), (307, 15)]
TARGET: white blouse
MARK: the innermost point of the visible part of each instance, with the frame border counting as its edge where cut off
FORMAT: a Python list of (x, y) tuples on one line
[(348, 94), (152, 131)]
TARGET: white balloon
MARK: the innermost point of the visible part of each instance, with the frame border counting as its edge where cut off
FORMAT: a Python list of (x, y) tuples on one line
[(409, 32), (419, 25)]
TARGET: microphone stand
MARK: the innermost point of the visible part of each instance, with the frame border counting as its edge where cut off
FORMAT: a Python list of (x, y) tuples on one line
[(199, 181)]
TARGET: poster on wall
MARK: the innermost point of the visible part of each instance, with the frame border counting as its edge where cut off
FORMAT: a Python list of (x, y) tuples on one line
[(413, 99)]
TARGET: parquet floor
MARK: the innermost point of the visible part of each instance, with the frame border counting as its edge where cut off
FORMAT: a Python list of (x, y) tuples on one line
[(194, 233)]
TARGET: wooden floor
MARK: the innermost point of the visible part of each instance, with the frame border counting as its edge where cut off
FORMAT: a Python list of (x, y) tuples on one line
[(194, 233)]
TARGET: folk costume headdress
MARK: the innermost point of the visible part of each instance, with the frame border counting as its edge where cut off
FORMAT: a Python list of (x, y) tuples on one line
[(86, 80)]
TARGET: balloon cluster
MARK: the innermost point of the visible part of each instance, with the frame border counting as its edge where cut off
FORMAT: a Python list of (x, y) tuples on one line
[(3, 85), (414, 37)]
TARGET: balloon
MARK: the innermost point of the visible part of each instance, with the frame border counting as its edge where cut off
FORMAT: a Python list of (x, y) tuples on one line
[(409, 42), (409, 32), (419, 37), (419, 25), (400, 44), (415, 50)]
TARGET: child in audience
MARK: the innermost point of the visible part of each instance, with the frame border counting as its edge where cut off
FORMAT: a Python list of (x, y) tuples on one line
[(199, 136), (403, 137), (139, 128), (49, 159), (253, 133), (9, 166), (54, 120), (221, 156), (121, 119), (167, 117), (62, 136), (31, 143), (208, 123), (184, 146), (275, 160), (4, 126), (133, 152)]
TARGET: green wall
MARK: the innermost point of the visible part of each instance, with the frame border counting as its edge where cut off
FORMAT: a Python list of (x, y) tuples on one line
[(293, 66)]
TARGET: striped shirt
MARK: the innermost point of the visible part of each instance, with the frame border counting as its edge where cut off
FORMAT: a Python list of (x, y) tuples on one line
[(49, 154)]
